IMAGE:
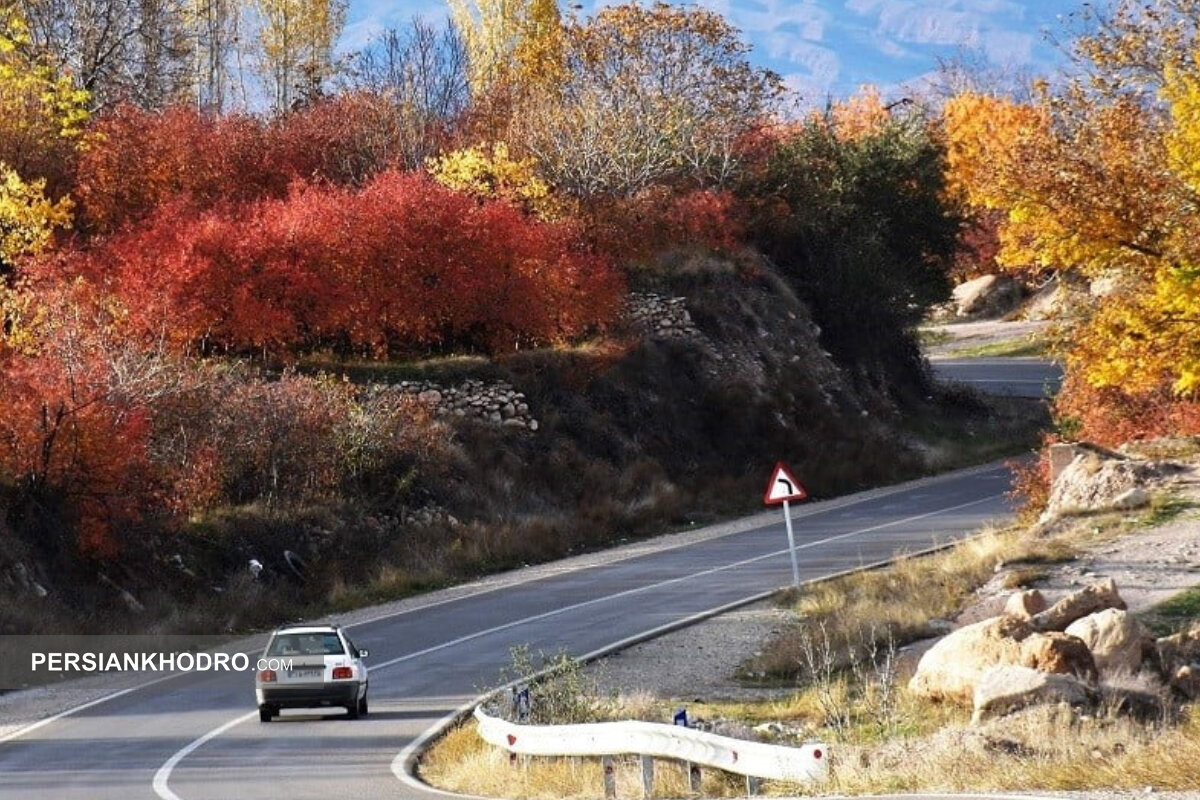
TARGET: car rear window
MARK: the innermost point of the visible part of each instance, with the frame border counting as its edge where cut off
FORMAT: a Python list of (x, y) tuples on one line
[(306, 644)]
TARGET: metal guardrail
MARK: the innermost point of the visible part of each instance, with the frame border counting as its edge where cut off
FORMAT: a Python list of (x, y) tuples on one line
[(807, 763)]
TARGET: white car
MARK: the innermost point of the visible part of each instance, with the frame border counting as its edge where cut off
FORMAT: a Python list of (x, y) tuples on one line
[(311, 666)]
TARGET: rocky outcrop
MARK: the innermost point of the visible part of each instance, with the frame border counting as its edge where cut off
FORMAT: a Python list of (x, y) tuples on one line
[(664, 317), (1088, 600), (1059, 654), (1015, 660), (1004, 689), (1087, 479), (496, 403), (987, 296), (1115, 639), (1179, 659), (951, 668), (1024, 605)]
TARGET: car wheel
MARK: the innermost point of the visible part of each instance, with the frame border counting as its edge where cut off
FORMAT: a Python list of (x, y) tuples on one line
[(362, 706), (352, 711), (265, 713)]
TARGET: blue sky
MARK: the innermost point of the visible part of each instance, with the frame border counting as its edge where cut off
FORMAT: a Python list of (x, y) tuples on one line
[(831, 47)]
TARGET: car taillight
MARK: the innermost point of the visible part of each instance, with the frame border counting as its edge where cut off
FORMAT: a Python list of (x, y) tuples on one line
[(341, 673), (267, 676)]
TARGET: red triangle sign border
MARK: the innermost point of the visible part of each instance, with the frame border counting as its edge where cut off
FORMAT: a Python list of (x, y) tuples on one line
[(783, 486)]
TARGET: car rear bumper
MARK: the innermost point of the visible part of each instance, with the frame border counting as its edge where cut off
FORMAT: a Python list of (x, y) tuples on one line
[(343, 693)]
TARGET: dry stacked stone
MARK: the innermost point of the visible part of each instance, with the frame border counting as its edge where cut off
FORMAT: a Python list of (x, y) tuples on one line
[(496, 403), (656, 315)]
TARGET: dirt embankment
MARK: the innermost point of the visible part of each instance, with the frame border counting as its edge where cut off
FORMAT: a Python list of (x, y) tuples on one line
[(667, 422)]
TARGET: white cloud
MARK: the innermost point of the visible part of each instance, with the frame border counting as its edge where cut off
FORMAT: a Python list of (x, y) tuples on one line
[(770, 16), (1008, 48), (821, 63), (811, 91)]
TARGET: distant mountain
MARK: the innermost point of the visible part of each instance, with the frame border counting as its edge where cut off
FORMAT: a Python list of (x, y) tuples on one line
[(831, 47)]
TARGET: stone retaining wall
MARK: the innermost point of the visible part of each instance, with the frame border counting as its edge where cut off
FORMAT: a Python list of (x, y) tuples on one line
[(656, 315), (497, 403)]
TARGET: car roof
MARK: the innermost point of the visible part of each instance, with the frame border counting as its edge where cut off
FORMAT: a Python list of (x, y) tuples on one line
[(307, 629)]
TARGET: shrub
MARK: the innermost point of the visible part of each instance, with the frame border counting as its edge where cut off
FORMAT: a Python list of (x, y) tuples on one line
[(401, 265), (638, 228), (138, 161)]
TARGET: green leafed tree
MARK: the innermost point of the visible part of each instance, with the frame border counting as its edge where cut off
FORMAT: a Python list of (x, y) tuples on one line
[(860, 226)]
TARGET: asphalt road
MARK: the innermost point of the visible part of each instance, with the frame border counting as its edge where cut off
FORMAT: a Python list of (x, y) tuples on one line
[(197, 737), (1017, 377)]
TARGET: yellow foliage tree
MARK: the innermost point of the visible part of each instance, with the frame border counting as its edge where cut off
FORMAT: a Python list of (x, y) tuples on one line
[(860, 115), (42, 114), (296, 42), (27, 217), (1102, 178), (489, 173), (512, 45)]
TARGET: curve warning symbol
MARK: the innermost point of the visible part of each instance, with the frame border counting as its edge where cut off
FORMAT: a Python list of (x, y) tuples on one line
[(783, 487)]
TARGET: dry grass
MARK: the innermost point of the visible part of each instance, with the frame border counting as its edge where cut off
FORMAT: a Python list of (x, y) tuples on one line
[(895, 604), (885, 739), (1047, 748)]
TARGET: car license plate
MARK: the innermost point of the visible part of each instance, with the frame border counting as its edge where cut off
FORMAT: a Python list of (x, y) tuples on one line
[(312, 673)]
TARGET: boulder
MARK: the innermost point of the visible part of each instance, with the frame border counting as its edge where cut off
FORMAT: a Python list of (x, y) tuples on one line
[(1186, 681), (951, 668), (988, 295), (1115, 638), (1179, 656), (1128, 500), (1089, 600), (1092, 481), (1007, 688), (1058, 653), (1024, 605)]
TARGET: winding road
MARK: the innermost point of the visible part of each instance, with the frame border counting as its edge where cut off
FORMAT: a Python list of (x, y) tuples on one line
[(197, 736)]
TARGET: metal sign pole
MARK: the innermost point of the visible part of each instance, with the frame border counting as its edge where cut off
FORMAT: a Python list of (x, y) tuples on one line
[(787, 517)]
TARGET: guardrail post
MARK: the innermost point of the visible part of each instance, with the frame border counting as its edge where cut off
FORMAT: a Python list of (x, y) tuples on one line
[(647, 777), (753, 786), (610, 777), (693, 776)]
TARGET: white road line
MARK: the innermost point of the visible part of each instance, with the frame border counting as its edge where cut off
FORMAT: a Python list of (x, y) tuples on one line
[(650, 586), (403, 765), (762, 519), (164, 772), (43, 722)]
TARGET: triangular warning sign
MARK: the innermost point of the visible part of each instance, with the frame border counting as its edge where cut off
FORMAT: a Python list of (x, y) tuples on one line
[(783, 486)]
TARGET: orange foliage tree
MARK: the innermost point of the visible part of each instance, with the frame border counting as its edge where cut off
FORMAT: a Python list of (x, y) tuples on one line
[(1098, 179)]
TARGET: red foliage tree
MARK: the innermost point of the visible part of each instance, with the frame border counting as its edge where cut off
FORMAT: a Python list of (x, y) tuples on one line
[(638, 228), (76, 422), (138, 160), (1110, 416), (403, 264)]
